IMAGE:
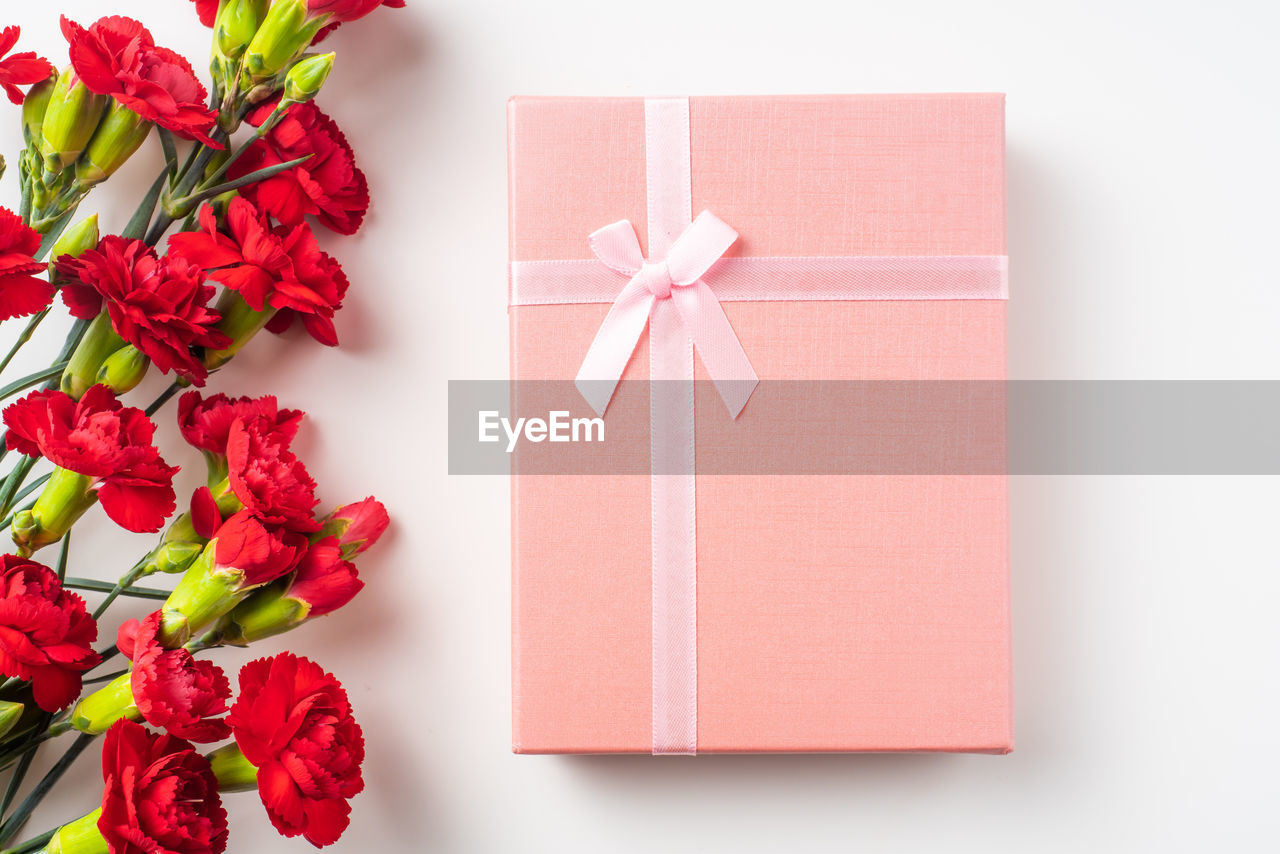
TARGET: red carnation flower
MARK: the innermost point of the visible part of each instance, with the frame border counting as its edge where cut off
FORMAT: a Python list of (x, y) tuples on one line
[(98, 437), (171, 689), (282, 267), (328, 185), (248, 258), (293, 721), (268, 478), (314, 293), (21, 292), (261, 551), (324, 581), (21, 68), (206, 422), (348, 10), (207, 10), (46, 635), (117, 56), (159, 305), (160, 795)]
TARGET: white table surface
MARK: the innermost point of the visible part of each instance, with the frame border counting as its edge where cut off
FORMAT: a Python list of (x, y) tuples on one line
[(1143, 141)]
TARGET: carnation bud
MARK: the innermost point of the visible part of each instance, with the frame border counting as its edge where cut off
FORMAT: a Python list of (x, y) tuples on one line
[(34, 107), (285, 33), (124, 369), (356, 526), (305, 79), (97, 712), (10, 714), (64, 499), (76, 240), (233, 771), (69, 122), (120, 133), (237, 23), (100, 341), (79, 837), (172, 558)]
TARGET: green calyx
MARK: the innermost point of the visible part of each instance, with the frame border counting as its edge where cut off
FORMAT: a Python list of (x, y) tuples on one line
[(79, 837), (71, 117), (307, 77), (114, 701), (120, 133), (240, 322), (285, 33), (232, 770), (100, 341), (64, 499), (124, 369)]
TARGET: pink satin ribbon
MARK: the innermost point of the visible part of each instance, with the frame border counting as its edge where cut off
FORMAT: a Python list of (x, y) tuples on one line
[(677, 293)]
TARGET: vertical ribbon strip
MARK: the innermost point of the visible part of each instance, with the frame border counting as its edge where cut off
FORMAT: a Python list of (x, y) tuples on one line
[(673, 508)]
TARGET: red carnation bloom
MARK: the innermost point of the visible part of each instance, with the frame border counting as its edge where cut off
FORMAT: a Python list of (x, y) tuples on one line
[(248, 258), (268, 478), (206, 422), (160, 795), (324, 580), (171, 689), (117, 56), (98, 437), (314, 293), (328, 185), (159, 305), (21, 68), (348, 10), (293, 721), (46, 635), (21, 292), (262, 551), (282, 267), (207, 10)]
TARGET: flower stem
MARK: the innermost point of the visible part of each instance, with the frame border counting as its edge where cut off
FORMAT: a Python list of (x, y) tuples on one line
[(63, 554), (13, 481), (125, 582), (115, 590), (32, 845), (51, 372), (24, 336), (163, 398), (15, 822)]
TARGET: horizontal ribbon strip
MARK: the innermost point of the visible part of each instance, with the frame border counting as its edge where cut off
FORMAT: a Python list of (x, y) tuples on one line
[(768, 279)]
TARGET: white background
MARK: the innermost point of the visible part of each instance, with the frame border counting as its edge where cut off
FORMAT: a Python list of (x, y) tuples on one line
[(1143, 140)]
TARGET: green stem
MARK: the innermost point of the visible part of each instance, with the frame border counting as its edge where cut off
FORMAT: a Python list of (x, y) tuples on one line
[(51, 372), (63, 554), (13, 481), (125, 582), (24, 337), (26, 490), (34, 844), (15, 822), (115, 590), (265, 128), (15, 781), (163, 398)]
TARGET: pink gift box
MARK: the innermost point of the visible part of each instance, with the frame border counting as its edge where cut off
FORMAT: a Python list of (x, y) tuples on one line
[(833, 612)]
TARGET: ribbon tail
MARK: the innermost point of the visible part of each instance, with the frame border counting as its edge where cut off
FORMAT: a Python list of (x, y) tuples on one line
[(717, 344), (613, 345)]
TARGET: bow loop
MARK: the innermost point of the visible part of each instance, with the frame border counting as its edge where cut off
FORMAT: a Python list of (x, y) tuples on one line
[(617, 247), (698, 248)]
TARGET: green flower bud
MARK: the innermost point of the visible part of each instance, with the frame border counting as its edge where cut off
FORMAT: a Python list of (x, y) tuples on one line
[(76, 240), (285, 33), (100, 341), (233, 771), (124, 369), (64, 499), (69, 122), (114, 701), (172, 558), (10, 714), (33, 110), (240, 323), (237, 23), (120, 133), (306, 77), (79, 837)]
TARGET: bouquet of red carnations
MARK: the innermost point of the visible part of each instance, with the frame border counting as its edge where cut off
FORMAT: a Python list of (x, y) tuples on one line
[(221, 247)]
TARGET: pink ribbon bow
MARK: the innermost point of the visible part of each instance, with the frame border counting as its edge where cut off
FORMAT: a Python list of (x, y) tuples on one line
[(678, 278)]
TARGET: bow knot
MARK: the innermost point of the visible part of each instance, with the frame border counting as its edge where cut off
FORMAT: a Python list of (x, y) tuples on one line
[(656, 278), (677, 277)]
